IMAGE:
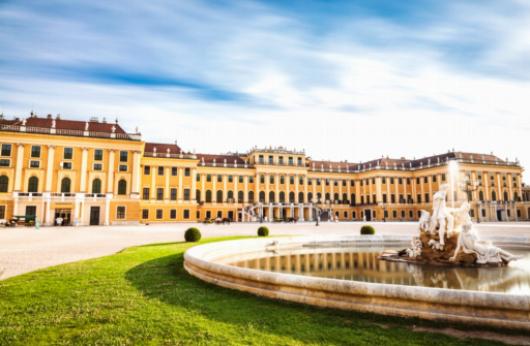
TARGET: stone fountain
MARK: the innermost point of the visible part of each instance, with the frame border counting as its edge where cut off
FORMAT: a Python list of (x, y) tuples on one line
[(447, 236)]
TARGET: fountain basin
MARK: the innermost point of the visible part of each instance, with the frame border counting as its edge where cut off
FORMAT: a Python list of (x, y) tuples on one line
[(216, 263)]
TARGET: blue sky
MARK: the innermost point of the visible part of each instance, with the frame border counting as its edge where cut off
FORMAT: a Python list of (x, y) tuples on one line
[(343, 79)]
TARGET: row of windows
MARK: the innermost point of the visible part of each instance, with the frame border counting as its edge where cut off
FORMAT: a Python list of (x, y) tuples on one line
[(68, 153), (159, 214), (290, 160), (66, 184)]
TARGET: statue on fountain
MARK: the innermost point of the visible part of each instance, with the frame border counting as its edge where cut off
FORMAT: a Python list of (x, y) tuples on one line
[(447, 237)]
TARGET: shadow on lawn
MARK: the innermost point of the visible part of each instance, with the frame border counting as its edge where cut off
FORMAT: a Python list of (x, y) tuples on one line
[(165, 279)]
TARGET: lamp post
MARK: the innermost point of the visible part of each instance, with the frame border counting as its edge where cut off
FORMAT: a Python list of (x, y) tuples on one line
[(469, 187)]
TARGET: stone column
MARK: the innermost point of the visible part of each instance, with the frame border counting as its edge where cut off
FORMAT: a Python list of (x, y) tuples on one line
[(84, 166), (306, 188), (49, 169), (180, 188), (214, 188), (236, 189), (287, 188), (277, 188), (18, 170), (296, 189), (267, 187), (136, 174), (203, 188), (107, 209), (193, 185), (167, 193), (245, 191), (110, 170), (154, 172), (225, 188)]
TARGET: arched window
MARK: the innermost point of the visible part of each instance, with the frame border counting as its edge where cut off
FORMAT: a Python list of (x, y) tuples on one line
[(300, 197), (4, 183), (336, 197), (33, 184), (198, 195), (262, 196), (271, 197), (291, 197), (345, 197), (481, 195), (505, 195), (319, 197), (96, 185), (208, 196), (282, 197), (328, 197), (230, 194), (310, 197), (251, 196), (65, 185), (122, 187), (240, 196), (493, 196), (219, 196)]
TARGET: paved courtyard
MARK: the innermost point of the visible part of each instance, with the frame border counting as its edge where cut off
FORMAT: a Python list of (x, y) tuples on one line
[(26, 249)]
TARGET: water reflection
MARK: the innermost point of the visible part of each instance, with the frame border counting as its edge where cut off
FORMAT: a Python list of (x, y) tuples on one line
[(365, 266)]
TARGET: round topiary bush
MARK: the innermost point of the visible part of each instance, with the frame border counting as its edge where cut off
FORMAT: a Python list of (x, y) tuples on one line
[(367, 229), (192, 234), (263, 231)]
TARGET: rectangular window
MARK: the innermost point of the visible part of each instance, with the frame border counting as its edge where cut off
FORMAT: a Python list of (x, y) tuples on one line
[(34, 164), (260, 159), (120, 212), (219, 178), (291, 162), (418, 198), (98, 155), (147, 170), (262, 179), (208, 177), (98, 166), (145, 213), (174, 171), (160, 170), (425, 180), (400, 181), (240, 179), (299, 161), (427, 198), (124, 156), (68, 153), (186, 214), (35, 151), (4, 162), (230, 179), (159, 193), (434, 179), (187, 195), (187, 172), (271, 160), (198, 177), (173, 194), (145, 193), (281, 160), (122, 168), (6, 150), (291, 180), (67, 165), (173, 214), (159, 214), (251, 180), (2, 212)]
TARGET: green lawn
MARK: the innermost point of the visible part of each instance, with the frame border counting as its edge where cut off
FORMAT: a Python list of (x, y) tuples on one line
[(144, 296)]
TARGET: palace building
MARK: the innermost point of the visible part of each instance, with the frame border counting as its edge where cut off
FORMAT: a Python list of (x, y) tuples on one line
[(94, 173)]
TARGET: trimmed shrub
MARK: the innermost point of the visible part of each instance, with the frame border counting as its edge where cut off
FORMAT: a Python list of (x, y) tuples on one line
[(192, 234), (367, 230), (263, 231)]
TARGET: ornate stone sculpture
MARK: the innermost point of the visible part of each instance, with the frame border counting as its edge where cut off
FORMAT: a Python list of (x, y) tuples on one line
[(447, 237)]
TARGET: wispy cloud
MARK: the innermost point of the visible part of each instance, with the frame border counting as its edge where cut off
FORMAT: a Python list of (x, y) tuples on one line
[(345, 79)]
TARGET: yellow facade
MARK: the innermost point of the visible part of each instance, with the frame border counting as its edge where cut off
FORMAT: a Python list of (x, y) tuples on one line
[(95, 173)]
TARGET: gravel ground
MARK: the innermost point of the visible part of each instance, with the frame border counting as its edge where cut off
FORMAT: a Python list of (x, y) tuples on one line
[(25, 249)]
